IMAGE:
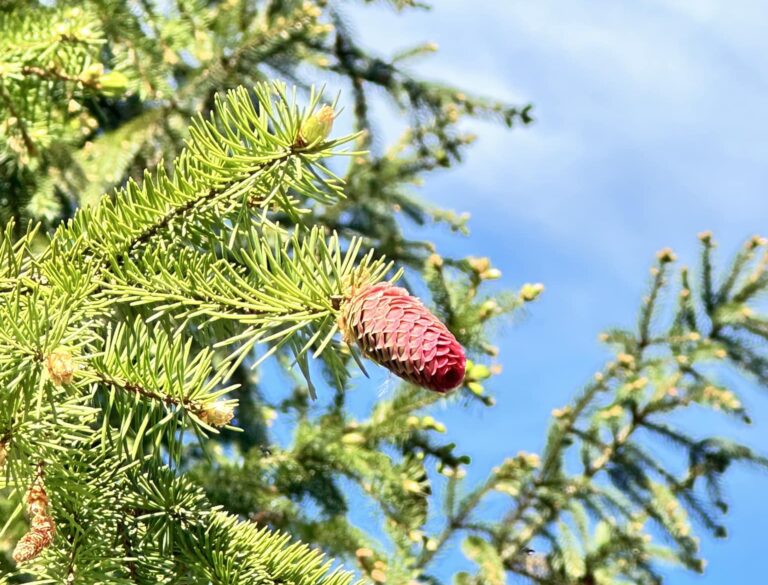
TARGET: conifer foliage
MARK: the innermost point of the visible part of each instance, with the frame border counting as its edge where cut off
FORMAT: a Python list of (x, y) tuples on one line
[(105, 363), (138, 439)]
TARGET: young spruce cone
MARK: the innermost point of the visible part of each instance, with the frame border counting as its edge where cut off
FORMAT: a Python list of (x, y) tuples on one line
[(396, 331), (42, 527)]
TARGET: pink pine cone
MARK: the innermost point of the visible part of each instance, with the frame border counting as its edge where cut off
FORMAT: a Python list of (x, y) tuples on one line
[(396, 331)]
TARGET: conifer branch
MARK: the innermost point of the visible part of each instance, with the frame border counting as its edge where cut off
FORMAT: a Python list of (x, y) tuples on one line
[(118, 332), (634, 392)]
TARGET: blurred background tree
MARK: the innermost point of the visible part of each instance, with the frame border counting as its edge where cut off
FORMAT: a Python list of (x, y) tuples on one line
[(94, 92)]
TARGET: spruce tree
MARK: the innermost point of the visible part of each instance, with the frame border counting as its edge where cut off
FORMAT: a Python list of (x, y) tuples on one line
[(175, 223)]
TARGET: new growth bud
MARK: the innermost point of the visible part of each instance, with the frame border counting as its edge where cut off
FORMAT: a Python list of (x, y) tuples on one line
[(113, 84), (318, 127), (666, 256), (218, 414), (482, 268), (530, 292), (61, 367)]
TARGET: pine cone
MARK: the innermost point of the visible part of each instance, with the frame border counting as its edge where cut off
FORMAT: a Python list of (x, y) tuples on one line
[(40, 535), (396, 331)]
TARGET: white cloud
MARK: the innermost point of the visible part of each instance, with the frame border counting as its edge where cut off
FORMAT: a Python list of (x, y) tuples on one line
[(651, 116)]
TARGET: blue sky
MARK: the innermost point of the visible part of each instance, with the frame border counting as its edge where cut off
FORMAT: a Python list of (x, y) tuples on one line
[(652, 125)]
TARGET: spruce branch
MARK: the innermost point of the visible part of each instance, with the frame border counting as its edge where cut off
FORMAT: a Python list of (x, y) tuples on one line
[(199, 250), (226, 159), (621, 484), (115, 340), (151, 389)]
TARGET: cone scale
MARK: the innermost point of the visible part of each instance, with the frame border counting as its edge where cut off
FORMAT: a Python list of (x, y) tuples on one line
[(395, 330)]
